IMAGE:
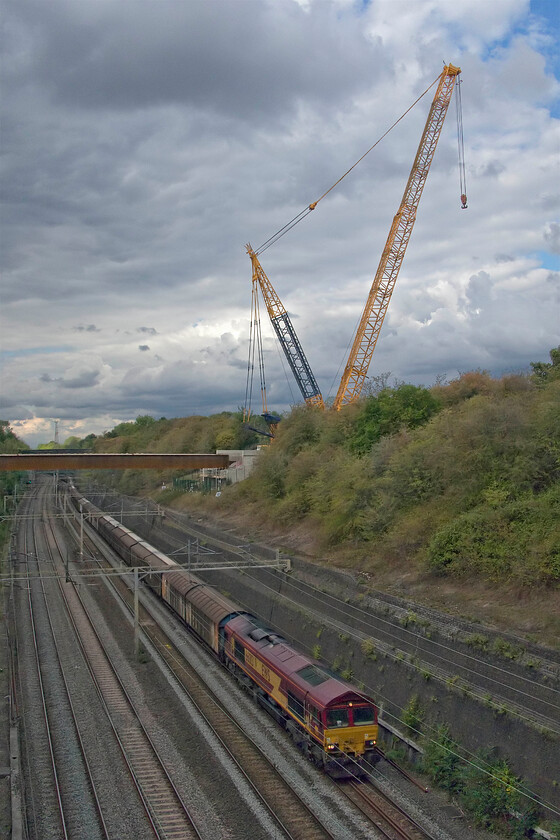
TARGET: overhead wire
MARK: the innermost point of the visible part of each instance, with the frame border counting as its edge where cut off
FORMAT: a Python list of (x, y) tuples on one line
[(336, 377), (310, 207), (260, 352), (468, 757), (283, 230), (478, 760), (363, 615), (476, 763), (255, 349)]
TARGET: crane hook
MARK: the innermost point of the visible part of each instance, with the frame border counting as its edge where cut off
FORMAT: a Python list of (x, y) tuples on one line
[(464, 204)]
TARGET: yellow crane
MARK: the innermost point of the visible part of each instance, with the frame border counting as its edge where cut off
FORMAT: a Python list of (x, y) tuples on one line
[(388, 269), (393, 253)]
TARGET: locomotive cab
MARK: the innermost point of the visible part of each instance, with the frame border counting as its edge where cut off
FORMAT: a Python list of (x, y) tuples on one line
[(350, 734)]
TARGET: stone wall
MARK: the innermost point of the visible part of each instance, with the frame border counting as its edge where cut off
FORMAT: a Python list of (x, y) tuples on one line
[(392, 681)]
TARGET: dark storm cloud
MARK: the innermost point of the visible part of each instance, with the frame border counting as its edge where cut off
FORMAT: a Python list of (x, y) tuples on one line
[(85, 379), (82, 379), (130, 192), (241, 59), (177, 390), (145, 141)]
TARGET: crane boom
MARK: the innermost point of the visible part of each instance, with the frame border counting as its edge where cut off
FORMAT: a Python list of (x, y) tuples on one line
[(286, 334), (393, 254)]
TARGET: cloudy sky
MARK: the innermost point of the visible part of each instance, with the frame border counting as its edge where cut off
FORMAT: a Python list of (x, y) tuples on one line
[(146, 141)]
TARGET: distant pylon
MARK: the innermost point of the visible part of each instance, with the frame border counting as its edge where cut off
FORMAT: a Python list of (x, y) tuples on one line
[(56, 440)]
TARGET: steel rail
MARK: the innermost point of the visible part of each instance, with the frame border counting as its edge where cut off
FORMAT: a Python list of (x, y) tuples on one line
[(20, 702), (475, 668), (80, 739), (372, 801), (46, 714), (163, 803), (182, 671)]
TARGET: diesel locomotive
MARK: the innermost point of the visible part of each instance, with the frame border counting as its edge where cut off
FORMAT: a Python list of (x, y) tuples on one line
[(332, 722)]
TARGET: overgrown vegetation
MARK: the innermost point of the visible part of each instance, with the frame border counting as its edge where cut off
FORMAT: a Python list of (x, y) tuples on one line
[(463, 479), (459, 480), (413, 715), (484, 784), (184, 434)]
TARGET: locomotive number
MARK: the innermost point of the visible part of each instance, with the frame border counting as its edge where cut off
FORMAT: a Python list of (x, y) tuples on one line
[(257, 665)]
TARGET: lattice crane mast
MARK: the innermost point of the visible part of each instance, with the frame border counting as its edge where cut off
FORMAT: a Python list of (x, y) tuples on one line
[(393, 254), (286, 334)]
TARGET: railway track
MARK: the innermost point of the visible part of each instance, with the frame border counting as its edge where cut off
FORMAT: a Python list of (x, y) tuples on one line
[(169, 815), (294, 819), (388, 817), (65, 796), (530, 692)]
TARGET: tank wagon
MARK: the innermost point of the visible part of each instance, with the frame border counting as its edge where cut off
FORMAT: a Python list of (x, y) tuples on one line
[(332, 722)]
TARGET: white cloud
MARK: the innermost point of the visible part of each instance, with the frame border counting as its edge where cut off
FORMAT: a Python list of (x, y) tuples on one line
[(143, 150)]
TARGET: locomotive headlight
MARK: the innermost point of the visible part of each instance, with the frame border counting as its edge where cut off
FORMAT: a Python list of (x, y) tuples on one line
[(369, 744)]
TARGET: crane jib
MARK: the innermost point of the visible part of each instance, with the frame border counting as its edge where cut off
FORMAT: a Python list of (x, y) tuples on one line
[(296, 357), (393, 253), (390, 263)]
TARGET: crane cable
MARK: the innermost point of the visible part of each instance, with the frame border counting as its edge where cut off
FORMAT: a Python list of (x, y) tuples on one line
[(461, 146), (301, 216), (255, 348), (250, 367)]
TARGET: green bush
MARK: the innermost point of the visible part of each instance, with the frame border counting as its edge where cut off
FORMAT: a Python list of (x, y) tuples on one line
[(405, 406), (493, 793), (368, 649), (463, 478), (442, 761), (520, 541), (484, 785), (413, 716)]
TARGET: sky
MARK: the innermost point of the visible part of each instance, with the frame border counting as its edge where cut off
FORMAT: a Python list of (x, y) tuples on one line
[(145, 142)]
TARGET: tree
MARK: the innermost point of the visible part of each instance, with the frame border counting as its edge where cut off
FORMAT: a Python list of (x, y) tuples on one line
[(9, 443), (406, 406), (144, 420), (544, 372)]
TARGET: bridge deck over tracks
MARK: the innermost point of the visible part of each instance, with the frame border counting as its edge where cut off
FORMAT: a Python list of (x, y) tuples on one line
[(104, 461)]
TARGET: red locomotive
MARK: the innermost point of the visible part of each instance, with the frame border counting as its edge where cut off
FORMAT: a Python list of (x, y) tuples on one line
[(332, 722)]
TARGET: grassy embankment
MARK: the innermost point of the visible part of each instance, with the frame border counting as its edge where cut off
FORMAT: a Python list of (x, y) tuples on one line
[(448, 495)]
